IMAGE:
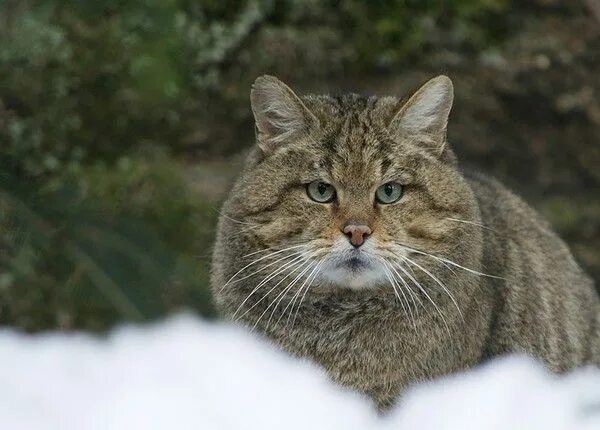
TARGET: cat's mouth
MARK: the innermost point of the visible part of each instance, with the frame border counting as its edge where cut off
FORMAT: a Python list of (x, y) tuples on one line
[(355, 263), (355, 270)]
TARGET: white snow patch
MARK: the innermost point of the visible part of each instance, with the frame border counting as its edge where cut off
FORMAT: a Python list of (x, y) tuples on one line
[(189, 374)]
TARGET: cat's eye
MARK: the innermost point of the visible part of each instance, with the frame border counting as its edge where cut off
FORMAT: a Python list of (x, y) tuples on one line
[(389, 193), (320, 191)]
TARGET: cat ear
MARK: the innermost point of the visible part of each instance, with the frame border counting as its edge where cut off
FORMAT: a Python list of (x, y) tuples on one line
[(280, 115), (424, 116)]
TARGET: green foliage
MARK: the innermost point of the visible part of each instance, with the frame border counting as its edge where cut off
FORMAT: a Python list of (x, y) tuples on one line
[(126, 241), (388, 32)]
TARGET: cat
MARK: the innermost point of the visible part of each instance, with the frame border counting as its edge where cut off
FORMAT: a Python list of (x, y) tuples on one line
[(354, 238)]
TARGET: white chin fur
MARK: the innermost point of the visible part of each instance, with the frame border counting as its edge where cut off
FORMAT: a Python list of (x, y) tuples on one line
[(354, 279), (335, 272)]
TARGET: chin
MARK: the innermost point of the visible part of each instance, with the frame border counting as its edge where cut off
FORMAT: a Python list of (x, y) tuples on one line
[(355, 275)]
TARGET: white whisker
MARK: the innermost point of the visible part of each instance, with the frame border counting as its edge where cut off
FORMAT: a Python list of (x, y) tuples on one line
[(394, 285), (299, 265), (267, 279), (266, 266), (228, 218), (256, 261), (271, 249), (410, 290), (442, 259), (302, 266), (471, 223), (427, 272), (280, 297), (296, 295), (240, 232), (438, 310), (306, 291), (387, 274)]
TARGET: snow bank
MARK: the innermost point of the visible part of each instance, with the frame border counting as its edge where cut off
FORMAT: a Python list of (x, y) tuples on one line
[(189, 374)]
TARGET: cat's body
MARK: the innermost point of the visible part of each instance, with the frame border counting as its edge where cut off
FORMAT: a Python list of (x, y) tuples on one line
[(453, 272)]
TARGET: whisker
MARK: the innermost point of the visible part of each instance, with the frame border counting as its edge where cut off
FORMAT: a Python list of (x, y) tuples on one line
[(299, 265), (475, 272), (393, 284), (227, 217), (388, 274), (410, 290), (240, 232), (412, 309), (306, 290), (464, 221), (271, 249), (280, 297), (256, 261), (296, 295), (437, 281), (268, 278), (418, 285), (447, 266), (266, 266)]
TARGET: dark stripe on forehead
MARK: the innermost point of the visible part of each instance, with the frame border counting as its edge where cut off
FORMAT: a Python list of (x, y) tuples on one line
[(360, 102), (386, 145), (329, 141), (352, 129), (386, 163), (351, 102), (339, 99)]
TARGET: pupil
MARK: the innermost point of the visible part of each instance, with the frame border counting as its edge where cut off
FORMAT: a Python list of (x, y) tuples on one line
[(388, 190), (322, 188)]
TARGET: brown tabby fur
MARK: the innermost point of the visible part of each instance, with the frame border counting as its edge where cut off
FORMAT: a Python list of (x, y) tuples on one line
[(515, 282)]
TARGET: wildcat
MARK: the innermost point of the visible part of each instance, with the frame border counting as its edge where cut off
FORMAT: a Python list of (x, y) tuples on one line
[(353, 238)]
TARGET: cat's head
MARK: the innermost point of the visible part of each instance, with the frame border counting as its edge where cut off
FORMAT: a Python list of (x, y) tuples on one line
[(341, 191)]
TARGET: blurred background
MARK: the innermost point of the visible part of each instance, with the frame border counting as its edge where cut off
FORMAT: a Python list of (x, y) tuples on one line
[(123, 123)]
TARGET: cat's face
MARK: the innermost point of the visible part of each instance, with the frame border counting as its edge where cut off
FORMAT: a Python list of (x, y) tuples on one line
[(342, 191)]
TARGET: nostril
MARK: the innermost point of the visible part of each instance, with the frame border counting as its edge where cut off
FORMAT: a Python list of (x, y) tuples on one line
[(357, 234), (354, 239)]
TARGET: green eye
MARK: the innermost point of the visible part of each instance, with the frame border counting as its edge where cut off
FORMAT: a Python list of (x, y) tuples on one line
[(389, 193), (321, 192)]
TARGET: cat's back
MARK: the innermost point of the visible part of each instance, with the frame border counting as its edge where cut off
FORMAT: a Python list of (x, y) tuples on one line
[(544, 300)]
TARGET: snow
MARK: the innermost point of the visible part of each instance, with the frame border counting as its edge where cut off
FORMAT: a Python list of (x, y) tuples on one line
[(186, 373)]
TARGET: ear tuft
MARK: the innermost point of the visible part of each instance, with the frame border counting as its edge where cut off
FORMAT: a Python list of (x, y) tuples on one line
[(425, 115), (279, 114)]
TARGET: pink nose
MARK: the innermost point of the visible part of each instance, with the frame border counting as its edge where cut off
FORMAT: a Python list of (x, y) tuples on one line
[(357, 234)]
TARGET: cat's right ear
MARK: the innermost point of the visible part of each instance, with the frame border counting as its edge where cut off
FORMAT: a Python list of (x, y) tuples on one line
[(424, 117), (279, 114)]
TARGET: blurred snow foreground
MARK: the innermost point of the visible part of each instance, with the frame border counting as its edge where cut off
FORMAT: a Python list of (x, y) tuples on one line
[(188, 374)]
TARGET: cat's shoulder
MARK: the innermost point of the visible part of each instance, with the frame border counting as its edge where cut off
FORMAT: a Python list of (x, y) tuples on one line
[(483, 185), (497, 202)]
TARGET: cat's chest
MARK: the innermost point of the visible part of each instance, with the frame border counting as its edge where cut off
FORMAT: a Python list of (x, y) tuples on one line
[(364, 351)]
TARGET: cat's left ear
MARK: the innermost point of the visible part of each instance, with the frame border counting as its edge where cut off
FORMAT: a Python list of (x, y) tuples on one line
[(280, 115), (424, 116)]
